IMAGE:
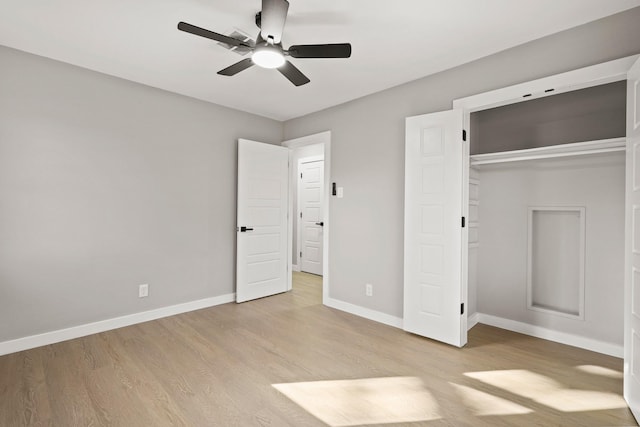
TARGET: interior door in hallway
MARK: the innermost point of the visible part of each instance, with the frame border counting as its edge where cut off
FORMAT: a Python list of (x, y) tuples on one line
[(311, 215), (262, 226)]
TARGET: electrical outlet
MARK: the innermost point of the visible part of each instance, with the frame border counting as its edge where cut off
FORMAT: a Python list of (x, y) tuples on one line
[(143, 291), (368, 290)]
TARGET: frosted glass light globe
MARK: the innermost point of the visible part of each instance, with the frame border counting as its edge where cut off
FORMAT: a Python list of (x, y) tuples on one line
[(267, 57)]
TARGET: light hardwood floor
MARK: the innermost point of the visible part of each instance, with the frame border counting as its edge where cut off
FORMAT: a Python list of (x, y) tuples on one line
[(289, 360)]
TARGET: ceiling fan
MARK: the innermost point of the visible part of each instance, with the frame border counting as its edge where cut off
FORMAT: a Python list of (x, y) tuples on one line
[(267, 52)]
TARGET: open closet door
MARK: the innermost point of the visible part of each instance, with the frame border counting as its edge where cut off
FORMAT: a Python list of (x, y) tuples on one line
[(632, 250), (262, 229), (433, 289)]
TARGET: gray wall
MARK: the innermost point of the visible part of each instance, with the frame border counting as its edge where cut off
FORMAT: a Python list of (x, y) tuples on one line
[(106, 184), (589, 114), (367, 148), (596, 183)]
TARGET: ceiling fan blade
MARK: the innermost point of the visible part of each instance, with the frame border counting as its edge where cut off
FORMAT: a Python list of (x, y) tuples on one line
[(294, 75), (183, 26), (237, 67), (273, 17), (338, 50)]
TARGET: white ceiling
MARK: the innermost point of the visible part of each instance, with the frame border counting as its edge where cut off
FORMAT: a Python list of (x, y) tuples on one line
[(393, 42)]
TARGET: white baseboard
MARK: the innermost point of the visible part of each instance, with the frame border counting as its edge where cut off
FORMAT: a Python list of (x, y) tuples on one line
[(367, 313), (295, 267), (53, 337), (472, 321), (551, 335)]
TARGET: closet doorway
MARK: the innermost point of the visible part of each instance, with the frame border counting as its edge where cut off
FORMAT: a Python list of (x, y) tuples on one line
[(582, 262), (546, 217), (552, 229), (548, 278), (443, 196), (544, 198)]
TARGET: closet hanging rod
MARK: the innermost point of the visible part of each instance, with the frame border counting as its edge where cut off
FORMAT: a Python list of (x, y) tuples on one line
[(552, 151)]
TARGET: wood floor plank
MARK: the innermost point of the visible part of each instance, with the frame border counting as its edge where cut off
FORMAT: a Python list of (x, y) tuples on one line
[(36, 407), (160, 402), (10, 406), (114, 402), (289, 360), (70, 404)]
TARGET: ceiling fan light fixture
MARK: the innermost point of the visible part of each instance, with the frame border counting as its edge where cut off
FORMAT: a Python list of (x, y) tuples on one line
[(267, 57), (267, 50)]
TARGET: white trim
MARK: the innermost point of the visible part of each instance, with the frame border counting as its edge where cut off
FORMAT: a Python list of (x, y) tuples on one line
[(464, 232), (610, 349), (635, 171), (295, 267), (318, 138), (303, 141), (635, 219), (636, 123), (581, 210), (367, 313), (310, 159), (551, 151), (594, 75), (472, 321), (60, 335)]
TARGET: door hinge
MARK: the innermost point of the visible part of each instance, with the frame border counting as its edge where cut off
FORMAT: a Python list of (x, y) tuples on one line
[(463, 222), (300, 214), (464, 135), (300, 254), (300, 175), (462, 308)]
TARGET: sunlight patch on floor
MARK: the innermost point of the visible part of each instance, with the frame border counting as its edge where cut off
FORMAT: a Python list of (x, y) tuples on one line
[(364, 401), (549, 392), (485, 404), (599, 370)]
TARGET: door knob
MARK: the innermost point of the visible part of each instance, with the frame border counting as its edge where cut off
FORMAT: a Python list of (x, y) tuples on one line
[(321, 223)]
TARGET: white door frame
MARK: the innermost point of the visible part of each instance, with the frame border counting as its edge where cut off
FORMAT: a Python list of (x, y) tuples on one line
[(632, 257), (595, 75), (325, 139), (299, 207)]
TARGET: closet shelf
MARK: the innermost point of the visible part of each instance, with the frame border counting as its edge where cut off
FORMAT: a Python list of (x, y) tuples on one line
[(551, 151)]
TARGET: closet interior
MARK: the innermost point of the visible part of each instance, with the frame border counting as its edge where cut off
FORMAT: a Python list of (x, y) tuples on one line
[(546, 213)]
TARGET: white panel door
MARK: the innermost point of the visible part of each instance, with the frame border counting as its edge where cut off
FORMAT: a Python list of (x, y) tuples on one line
[(632, 264), (311, 216), (433, 294), (262, 232)]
